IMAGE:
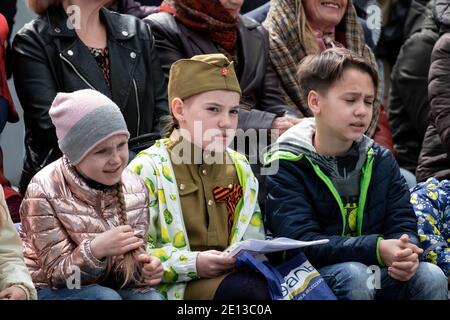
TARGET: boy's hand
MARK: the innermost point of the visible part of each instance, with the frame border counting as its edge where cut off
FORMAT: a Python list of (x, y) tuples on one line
[(281, 124), (404, 270), (115, 242), (212, 263), (401, 257), (152, 269), (406, 244), (391, 251), (13, 293)]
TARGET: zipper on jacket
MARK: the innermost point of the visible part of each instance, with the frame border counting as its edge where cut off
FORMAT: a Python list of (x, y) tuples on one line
[(44, 163), (366, 177), (333, 190), (364, 187), (137, 106), (77, 72)]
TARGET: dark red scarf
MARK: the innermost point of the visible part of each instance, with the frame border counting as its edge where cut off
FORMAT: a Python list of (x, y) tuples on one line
[(208, 17)]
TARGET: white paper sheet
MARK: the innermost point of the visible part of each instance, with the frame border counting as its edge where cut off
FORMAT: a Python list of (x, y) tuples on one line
[(267, 246)]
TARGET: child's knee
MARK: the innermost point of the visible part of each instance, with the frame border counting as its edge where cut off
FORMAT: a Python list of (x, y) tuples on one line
[(358, 276), (349, 281), (431, 276)]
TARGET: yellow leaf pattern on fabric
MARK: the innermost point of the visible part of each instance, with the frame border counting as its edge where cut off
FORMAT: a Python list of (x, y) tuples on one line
[(161, 196), (165, 235), (137, 169), (150, 186), (160, 253), (170, 275), (168, 216), (252, 195), (166, 173), (178, 240), (256, 219)]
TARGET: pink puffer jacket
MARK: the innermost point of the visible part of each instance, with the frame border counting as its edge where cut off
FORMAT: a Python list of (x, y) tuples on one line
[(61, 214)]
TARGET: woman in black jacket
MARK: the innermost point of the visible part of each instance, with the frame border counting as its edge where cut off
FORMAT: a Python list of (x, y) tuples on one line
[(94, 48), (434, 158)]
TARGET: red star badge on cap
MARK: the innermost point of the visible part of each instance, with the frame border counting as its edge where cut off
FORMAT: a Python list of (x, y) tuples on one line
[(224, 72)]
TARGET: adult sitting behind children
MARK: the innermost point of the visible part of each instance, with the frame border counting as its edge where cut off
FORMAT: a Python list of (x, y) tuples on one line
[(345, 187), (298, 28), (85, 216), (202, 194), (79, 44), (186, 28)]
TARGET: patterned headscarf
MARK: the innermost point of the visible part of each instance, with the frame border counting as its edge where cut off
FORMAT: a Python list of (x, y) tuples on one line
[(290, 42), (208, 17)]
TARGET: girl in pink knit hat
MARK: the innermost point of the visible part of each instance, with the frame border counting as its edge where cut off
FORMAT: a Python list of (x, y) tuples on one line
[(85, 216)]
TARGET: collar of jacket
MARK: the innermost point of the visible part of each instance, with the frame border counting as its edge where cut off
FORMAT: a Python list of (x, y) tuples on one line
[(80, 189), (247, 22), (59, 25)]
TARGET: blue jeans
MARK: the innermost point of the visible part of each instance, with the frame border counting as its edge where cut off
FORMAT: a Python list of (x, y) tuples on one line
[(96, 292), (354, 281)]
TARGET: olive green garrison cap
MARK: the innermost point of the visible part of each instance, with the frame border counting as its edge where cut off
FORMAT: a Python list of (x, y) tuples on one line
[(201, 73)]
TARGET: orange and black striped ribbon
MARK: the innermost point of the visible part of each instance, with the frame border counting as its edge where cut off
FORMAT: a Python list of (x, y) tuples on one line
[(229, 195)]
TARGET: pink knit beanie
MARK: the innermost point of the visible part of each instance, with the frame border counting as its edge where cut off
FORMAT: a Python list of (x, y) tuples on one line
[(83, 119)]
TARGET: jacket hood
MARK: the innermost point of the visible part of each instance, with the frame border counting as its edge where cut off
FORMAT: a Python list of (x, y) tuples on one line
[(420, 16), (441, 12), (296, 143)]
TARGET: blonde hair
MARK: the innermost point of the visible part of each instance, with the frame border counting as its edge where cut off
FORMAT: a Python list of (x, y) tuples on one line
[(305, 32), (41, 6), (130, 262)]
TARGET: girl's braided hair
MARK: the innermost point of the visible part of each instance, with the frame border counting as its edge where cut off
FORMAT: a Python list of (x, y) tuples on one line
[(130, 262)]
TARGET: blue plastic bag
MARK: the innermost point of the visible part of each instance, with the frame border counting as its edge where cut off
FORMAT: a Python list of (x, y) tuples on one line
[(295, 279)]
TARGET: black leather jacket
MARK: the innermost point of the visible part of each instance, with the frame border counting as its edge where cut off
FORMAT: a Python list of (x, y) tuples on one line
[(48, 57)]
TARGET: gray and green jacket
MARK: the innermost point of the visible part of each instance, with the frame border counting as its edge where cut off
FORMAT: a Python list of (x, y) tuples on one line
[(167, 238), (354, 200)]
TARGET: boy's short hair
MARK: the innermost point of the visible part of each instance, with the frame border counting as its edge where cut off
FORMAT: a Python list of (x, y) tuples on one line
[(320, 71)]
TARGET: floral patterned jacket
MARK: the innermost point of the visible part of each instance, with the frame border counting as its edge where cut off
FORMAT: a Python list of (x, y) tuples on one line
[(431, 201), (167, 237)]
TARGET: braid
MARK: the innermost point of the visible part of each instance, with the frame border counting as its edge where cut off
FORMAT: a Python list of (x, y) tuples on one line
[(168, 123), (130, 262)]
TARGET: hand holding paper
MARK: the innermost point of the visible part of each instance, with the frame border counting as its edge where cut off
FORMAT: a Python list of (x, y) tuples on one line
[(267, 246)]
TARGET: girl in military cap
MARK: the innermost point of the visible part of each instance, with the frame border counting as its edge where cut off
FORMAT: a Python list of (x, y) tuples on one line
[(202, 194)]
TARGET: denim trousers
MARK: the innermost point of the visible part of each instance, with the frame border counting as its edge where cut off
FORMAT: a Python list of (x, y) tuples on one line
[(357, 281), (96, 292)]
